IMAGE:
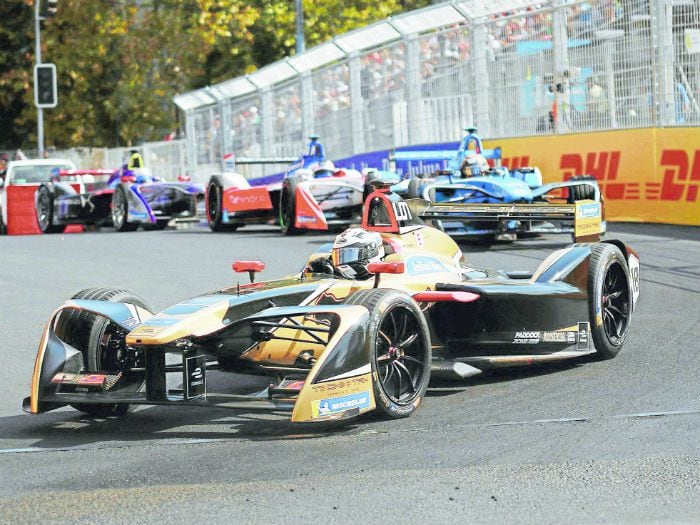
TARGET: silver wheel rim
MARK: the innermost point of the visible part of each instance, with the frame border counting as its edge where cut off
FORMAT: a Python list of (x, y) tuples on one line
[(119, 211)]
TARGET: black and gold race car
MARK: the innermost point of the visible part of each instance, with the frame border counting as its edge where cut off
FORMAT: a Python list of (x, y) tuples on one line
[(363, 327)]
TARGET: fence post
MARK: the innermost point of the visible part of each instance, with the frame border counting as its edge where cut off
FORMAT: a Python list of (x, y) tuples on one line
[(306, 94), (662, 41), (560, 52), (267, 111), (226, 136), (357, 103), (191, 143), (481, 78), (415, 118)]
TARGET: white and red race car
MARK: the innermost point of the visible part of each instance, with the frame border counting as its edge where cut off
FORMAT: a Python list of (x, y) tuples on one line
[(313, 195)]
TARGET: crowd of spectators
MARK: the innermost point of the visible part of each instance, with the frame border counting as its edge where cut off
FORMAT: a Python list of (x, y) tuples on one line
[(443, 69)]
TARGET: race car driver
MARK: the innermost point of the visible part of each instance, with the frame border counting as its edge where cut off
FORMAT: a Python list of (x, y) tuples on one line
[(352, 252)]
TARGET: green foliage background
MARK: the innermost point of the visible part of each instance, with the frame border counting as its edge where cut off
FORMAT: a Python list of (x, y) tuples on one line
[(121, 61)]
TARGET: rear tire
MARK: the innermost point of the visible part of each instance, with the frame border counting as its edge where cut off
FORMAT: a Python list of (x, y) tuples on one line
[(581, 193), (399, 348), (87, 332), (414, 189), (44, 211), (120, 211), (367, 188), (609, 299), (215, 207), (288, 208)]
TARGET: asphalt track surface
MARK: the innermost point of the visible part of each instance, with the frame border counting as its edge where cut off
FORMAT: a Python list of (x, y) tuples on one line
[(582, 442)]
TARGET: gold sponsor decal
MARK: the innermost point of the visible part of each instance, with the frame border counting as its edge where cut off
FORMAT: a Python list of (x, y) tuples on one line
[(340, 385)]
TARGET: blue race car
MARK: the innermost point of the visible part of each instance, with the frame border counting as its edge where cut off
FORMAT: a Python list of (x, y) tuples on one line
[(470, 179), (124, 198)]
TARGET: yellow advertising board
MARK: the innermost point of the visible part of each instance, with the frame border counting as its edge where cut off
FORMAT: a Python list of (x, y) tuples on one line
[(645, 175)]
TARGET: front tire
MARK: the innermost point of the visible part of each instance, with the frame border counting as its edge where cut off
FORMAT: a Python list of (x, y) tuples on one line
[(400, 350), (609, 299), (288, 208), (96, 337), (215, 196), (44, 211), (120, 211)]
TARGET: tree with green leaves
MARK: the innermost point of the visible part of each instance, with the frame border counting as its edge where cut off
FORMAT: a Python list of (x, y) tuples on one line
[(120, 62)]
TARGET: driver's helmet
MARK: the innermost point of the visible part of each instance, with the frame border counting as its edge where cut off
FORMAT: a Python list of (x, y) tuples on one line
[(473, 165), (354, 249), (324, 169)]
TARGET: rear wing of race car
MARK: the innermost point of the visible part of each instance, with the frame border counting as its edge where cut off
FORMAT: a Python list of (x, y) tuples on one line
[(264, 160), (584, 216), (440, 156), (436, 155), (79, 173)]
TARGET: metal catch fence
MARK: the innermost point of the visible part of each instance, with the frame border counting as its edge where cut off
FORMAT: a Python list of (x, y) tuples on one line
[(509, 67)]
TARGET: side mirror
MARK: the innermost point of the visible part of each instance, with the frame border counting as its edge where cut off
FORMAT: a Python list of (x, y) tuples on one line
[(386, 267), (378, 268), (248, 266)]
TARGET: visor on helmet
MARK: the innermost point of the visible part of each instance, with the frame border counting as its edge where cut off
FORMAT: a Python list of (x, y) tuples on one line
[(354, 253)]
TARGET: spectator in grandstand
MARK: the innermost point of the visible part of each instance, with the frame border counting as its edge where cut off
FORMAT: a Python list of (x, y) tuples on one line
[(596, 102), (682, 103)]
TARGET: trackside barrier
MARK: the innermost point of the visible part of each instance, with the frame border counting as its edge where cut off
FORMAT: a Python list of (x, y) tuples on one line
[(21, 212), (21, 215), (645, 175)]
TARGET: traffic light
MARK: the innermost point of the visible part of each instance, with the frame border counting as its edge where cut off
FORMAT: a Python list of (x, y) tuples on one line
[(45, 91), (48, 8)]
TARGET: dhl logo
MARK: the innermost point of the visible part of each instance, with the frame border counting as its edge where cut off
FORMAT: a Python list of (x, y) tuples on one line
[(681, 178), (514, 163)]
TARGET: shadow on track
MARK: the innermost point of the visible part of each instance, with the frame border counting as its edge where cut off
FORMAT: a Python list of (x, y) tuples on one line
[(526, 244), (68, 429), (442, 388)]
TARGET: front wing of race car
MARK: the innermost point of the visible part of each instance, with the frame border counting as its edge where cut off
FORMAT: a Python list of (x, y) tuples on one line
[(583, 219), (335, 386)]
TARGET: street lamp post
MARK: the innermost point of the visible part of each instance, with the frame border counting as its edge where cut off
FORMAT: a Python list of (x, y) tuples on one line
[(37, 55), (299, 10)]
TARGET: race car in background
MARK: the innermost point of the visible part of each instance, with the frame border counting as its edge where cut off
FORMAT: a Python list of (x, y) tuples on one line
[(493, 199), (125, 199), (312, 195), (327, 344), (17, 188)]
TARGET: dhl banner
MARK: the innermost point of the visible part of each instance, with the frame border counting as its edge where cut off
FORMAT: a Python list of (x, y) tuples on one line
[(645, 175)]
